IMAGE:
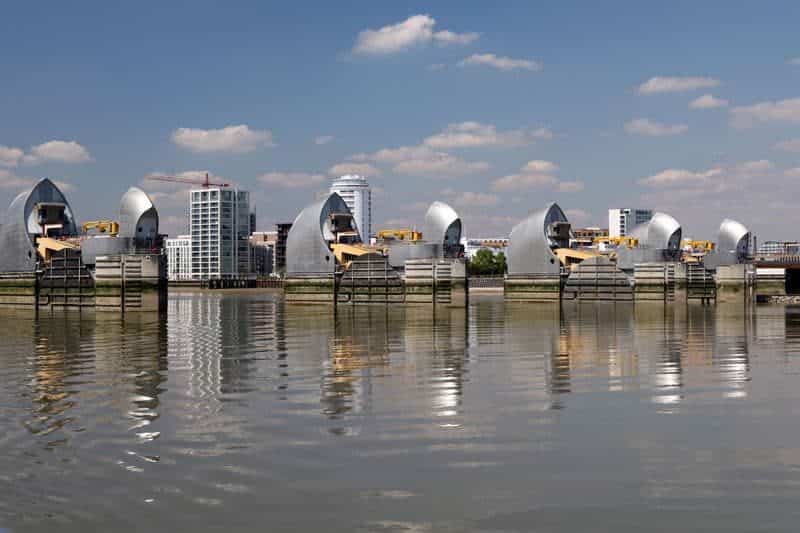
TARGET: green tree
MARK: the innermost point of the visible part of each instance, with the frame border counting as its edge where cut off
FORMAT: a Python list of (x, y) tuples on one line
[(500, 265), (485, 263)]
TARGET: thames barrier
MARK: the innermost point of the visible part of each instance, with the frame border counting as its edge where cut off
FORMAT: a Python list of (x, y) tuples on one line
[(48, 262)]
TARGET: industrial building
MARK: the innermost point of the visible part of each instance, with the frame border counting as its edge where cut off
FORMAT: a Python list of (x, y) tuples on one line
[(622, 220), (357, 194), (219, 226)]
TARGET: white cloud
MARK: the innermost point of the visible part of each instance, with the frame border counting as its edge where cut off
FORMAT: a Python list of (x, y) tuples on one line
[(792, 145), (578, 217), (231, 139), (440, 164), (292, 180), (12, 181), (673, 84), (470, 199), (794, 61), (437, 66), (707, 101), (540, 166), (56, 152), (715, 179), (414, 31), (447, 37), (517, 182), (362, 169), (10, 156), (780, 111), (500, 62), (679, 177), (536, 174), (474, 134), (422, 160), (651, 128), (570, 186), (323, 139)]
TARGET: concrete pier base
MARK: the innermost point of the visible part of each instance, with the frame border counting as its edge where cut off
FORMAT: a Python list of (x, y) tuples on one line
[(313, 289), (770, 282), (732, 284), (533, 288)]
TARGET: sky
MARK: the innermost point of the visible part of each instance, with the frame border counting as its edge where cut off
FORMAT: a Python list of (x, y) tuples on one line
[(692, 108)]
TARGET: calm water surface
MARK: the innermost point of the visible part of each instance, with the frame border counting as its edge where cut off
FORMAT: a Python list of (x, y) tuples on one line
[(238, 412)]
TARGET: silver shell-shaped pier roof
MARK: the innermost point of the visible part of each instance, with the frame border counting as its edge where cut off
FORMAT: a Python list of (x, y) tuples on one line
[(733, 245), (19, 226), (442, 225), (307, 245), (138, 217), (529, 247), (733, 239), (662, 232)]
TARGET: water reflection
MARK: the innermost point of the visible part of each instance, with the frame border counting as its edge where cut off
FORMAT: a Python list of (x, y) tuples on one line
[(236, 407)]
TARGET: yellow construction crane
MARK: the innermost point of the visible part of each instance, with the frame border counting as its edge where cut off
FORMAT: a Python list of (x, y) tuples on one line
[(102, 226), (400, 234)]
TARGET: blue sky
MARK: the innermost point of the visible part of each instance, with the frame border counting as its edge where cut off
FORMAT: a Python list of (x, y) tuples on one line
[(495, 109)]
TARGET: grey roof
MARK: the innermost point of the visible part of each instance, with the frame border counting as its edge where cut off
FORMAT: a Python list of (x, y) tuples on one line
[(529, 248), (138, 217), (19, 225), (441, 223), (307, 245), (662, 232), (733, 243)]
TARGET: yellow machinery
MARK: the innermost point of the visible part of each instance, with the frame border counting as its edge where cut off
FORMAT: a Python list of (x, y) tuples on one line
[(570, 256), (400, 234), (345, 253), (630, 242), (348, 246), (47, 245), (700, 246), (102, 226)]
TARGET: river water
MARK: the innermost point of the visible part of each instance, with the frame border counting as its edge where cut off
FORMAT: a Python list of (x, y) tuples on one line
[(239, 412)]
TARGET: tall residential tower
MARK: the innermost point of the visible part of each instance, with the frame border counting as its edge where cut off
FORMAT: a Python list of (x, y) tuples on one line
[(356, 193), (220, 230), (622, 220)]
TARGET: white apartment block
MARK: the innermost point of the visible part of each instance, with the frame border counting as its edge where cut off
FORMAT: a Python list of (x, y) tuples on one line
[(219, 222), (622, 220), (179, 258), (357, 194)]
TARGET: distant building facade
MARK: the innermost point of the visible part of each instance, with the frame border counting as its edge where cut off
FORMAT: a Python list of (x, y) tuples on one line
[(357, 194), (585, 237), (219, 222), (280, 246), (494, 245), (779, 248), (262, 252), (179, 258), (622, 220)]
